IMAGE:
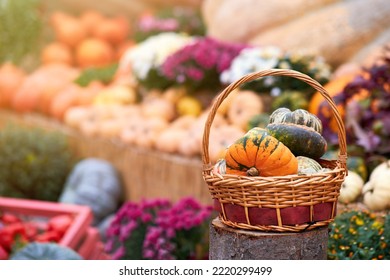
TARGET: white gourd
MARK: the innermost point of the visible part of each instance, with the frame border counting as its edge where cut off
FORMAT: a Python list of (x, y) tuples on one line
[(377, 190), (351, 187)]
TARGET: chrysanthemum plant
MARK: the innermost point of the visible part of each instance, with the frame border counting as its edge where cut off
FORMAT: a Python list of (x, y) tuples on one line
[(156, 229)]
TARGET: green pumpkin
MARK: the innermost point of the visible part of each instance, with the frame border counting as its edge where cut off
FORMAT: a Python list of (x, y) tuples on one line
[(300, 139), (299, 116), (45, 251), (94, 183)]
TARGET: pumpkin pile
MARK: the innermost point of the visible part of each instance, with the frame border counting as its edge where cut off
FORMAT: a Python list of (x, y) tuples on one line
[(88, 40), (291, 143)]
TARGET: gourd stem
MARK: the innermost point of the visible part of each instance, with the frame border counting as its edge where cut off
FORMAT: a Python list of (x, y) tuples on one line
[(253, 171)]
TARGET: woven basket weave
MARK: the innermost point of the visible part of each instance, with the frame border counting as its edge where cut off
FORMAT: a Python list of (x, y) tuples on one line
[(290, 203)]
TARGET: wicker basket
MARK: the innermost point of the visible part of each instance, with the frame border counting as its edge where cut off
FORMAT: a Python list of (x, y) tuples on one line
[(290, 203)]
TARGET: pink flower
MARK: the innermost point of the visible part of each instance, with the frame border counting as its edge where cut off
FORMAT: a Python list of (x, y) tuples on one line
[(199, 64), (120, 252), (195, 74)]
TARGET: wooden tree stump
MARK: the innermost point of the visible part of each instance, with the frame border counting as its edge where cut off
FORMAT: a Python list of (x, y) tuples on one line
[(227, 243)]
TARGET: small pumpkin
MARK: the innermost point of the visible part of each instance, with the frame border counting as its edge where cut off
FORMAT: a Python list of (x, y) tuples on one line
[(299, 116), (45, 251), (168, 141), (376, 192), (193, 140), (351, 188), (158, 107), (243, 107), (148, 131), (308, 166), (259, 154), (11, 77), (221, 138)]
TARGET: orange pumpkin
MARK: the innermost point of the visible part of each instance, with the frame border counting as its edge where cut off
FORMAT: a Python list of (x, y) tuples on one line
[(220, 138), (11, 78), (94, 52), (259, 154), (112, 30), (57, 52), (38, 89), (68, 29), (65, 99), (243, 107), (334, 87), (90, 19)]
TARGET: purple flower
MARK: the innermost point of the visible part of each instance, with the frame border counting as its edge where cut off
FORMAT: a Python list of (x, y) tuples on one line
[(149, 23), (146, 217), (195, 74), (126, 230), (163, 222), (198, 65), (120, 252)]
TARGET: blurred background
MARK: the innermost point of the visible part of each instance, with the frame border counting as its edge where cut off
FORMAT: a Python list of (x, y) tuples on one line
[(103, 104)]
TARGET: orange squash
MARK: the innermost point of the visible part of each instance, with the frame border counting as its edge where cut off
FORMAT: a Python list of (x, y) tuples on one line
[(11, 77), (113, 30), (334, 87), (259, 154), (94, 52), (40, 87), (68, 29), (90, 19), (57, 52), (65, 99)]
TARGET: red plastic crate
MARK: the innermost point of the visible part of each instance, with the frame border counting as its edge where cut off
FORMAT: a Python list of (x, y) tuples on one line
[(91, 247), (74, 236)]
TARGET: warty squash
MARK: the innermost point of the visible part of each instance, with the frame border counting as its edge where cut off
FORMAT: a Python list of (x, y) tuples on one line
[(299, 130), (259, 154), (299, 116)]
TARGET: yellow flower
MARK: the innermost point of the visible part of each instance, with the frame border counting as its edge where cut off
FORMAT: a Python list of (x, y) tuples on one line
[(359, 221), (377, 224)]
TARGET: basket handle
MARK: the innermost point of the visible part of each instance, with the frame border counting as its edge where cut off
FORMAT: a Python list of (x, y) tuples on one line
[(273, 72)]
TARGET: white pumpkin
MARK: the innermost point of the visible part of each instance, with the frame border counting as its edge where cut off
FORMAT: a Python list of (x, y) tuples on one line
[(377, 190), (351, 187)]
